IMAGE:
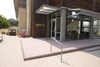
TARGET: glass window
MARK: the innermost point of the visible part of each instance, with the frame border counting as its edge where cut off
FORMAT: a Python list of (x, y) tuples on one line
[(85, 24), (24, 3), (53, 16), (58, 25), (58, 14), (96, 27)]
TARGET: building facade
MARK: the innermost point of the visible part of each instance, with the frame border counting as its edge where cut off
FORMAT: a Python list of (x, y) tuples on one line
[(61, 19)]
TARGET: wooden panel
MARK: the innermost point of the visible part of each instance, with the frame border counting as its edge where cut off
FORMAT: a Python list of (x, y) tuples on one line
[(93, 5), (84, 4), (39, 22), (32, 19), (57, 3), (97, 7)]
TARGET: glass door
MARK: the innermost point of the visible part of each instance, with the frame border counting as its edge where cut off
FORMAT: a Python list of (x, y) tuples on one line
[(58, 29), (53, 28)]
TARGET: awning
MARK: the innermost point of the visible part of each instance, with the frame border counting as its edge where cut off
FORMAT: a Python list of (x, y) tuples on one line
[(46, 9), (83, 12), (89, 13)]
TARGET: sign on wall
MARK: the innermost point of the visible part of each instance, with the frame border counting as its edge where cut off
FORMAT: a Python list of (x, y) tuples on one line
[(40, 25)]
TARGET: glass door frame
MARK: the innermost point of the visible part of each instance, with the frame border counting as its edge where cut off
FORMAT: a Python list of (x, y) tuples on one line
[(55, 22)]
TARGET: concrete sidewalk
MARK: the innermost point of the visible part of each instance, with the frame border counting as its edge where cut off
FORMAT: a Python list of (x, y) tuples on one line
[(11, 56), (40, 47)]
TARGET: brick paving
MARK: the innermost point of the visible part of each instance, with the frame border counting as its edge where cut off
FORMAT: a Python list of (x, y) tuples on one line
[(11, 56)]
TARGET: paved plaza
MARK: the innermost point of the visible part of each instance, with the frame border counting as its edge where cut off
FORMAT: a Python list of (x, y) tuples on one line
[(41, 47), (11, 55)]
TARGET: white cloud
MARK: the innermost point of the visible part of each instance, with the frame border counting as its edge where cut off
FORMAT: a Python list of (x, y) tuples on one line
[(7, 8)]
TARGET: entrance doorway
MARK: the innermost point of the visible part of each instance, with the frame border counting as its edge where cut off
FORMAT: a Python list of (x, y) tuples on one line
[(53, 28)]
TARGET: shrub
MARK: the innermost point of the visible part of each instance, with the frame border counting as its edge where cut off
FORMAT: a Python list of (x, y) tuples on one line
[(3, 32)]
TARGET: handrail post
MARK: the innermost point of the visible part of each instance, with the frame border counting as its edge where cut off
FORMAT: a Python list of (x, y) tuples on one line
[(51, 46), (59, 44), (61, 52)]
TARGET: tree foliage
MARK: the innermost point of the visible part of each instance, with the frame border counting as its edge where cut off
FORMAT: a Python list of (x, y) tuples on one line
[(13, 22), (4, 22)]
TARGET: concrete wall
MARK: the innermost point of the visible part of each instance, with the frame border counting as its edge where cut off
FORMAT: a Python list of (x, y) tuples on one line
[(28, 16), (22, 19)]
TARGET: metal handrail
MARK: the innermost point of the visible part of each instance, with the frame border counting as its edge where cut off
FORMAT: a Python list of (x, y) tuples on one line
[(58, 43)]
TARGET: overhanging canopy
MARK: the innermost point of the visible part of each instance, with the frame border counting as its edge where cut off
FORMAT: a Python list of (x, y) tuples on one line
[(83, 12), (89, 13), (46, 9)]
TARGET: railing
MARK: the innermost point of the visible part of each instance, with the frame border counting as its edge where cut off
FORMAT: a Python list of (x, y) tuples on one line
[(59, 44)]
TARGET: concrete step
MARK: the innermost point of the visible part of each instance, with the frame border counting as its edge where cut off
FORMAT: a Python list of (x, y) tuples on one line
[(88, 48), (92, 49)]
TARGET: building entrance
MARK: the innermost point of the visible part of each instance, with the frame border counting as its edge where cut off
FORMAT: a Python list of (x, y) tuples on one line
[(55, 28), (67, 23)]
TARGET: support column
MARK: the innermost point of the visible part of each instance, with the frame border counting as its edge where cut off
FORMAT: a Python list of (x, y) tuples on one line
[(91, 27), (28, 17), (98, 26), (63, 25)]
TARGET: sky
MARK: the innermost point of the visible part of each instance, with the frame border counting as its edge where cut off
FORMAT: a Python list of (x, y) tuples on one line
[(7, 9)]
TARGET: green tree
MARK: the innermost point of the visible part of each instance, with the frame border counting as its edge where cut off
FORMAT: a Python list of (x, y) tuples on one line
[(13, 22), (4, 22)]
